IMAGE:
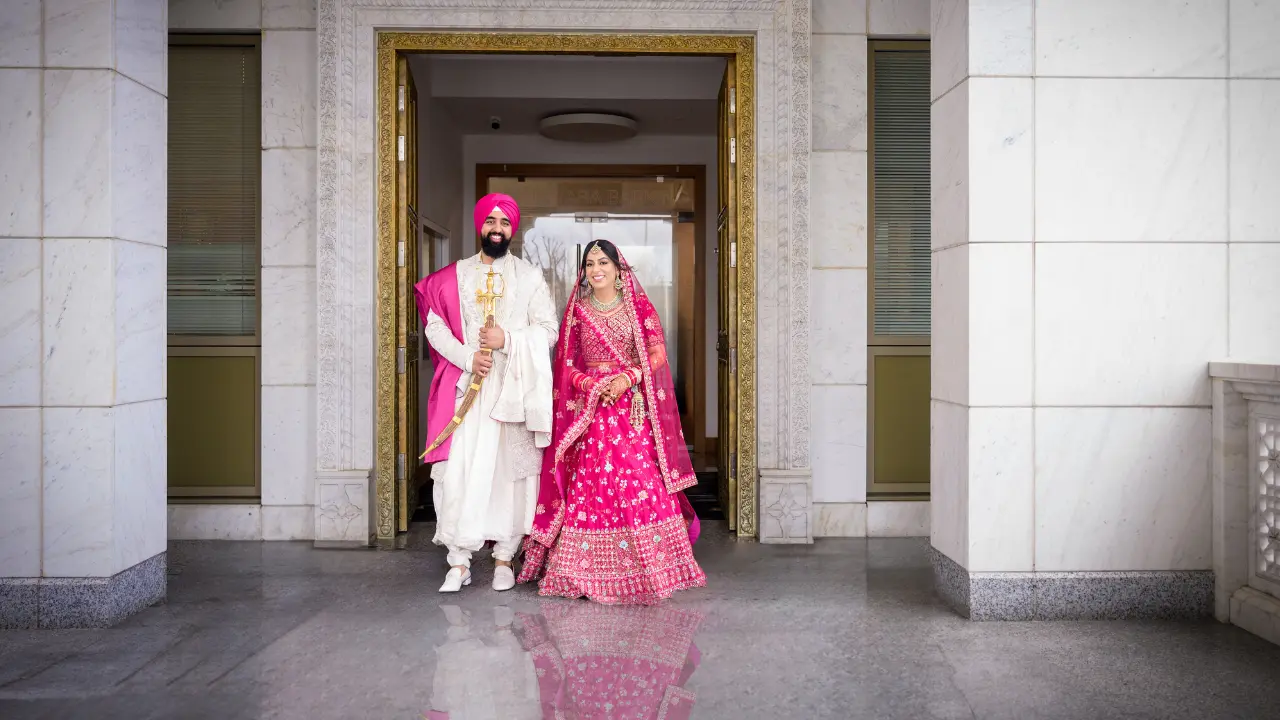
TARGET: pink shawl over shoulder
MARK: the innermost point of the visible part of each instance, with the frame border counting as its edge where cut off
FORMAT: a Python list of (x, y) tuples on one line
[(438, 293)]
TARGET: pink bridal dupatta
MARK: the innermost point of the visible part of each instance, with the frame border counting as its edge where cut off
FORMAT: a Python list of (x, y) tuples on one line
[(574, 410)]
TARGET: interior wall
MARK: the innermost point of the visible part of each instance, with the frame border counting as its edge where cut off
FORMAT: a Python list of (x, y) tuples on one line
[(439, 195), (440, 169), (641, 150)]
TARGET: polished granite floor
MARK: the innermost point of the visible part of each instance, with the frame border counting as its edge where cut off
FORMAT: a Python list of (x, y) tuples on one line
[(842, 629)]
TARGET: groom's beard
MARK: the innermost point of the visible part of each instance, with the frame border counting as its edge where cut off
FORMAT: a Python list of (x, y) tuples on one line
[(495, 245)]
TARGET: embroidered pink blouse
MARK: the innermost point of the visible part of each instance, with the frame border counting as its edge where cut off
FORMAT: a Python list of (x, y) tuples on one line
[(617, 326)]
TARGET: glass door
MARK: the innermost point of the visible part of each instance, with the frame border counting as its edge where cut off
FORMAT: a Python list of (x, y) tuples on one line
[(562, 216)]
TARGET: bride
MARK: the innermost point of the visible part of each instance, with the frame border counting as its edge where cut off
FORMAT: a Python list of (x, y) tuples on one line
[(612, 522)]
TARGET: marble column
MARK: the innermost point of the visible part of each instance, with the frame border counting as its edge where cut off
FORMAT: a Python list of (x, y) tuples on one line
[(1085, 273), (82, 311)]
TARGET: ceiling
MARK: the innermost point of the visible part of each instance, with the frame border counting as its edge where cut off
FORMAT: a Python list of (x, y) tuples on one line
[(664, 95), (521, 116)]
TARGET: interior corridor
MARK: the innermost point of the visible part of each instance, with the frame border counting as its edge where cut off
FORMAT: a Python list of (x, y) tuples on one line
[(847, 628)]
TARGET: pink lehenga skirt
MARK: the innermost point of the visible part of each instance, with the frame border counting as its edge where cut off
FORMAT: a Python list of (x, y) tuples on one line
[(624, 539)]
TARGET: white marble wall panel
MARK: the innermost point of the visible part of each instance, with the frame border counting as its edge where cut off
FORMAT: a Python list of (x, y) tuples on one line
[(78, 33), (1122, 489), (840, 519), (1131, 160), (289, 206), (76, 506), (1255, 303), (215, 522), (1254, 50), (1002, 38), (20, 492), (1001, 490), (839, 92), (139, 171), (839, 343), (897, 519), (19, 321), (948, 46), (20, 35), (282, 522), (288, 326), (1128, 324), (949, 299), (141, 351), (949, 169), (142, 42), (20, 138), (848, 17), (1255, 155), (78, 323), (1001, 158), (140, 491), (839, 443), (1001, 339), (288, 445), (1135, 38), (215, 14), (288, 14), (838, 210), (949, 480), (898, 18), (288, 88), (77, 153)]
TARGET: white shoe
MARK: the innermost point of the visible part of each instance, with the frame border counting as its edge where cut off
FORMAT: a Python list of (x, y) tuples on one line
[(504, 578), (455, 579)]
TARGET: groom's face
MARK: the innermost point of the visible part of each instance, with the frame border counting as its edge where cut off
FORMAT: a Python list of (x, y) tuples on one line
[(495, 234)]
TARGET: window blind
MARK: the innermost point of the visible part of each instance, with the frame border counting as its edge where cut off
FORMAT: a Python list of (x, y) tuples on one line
[(900, 201), (214, 160)]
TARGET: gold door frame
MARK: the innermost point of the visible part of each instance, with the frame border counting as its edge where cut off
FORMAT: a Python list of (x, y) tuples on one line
[(389, 46)]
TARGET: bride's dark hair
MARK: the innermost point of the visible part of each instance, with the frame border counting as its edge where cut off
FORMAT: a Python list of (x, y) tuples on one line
[(610, 250)]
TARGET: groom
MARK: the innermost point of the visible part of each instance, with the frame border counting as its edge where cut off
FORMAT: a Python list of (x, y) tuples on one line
[(486, 472)]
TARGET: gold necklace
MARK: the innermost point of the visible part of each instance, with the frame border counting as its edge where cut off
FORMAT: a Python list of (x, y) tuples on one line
[(604, 307)]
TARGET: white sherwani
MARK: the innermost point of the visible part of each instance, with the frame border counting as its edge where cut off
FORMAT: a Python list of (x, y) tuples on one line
[(488, 488)]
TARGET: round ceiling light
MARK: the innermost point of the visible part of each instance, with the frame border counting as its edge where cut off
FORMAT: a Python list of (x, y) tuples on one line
[(588, 127)]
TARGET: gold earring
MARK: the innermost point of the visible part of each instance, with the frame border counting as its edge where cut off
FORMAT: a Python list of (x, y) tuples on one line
[(617, 283)]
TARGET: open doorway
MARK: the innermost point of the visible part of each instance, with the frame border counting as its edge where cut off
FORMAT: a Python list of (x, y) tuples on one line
[(657, 216), (478, 127)]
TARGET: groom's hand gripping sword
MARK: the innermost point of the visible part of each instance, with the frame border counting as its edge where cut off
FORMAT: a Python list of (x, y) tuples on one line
[(488, 300)]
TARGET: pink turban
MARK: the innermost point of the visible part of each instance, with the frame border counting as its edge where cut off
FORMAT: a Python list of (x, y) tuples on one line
[(505, 203)]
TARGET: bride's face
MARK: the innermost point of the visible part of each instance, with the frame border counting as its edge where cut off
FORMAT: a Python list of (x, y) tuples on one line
[(600, 270)]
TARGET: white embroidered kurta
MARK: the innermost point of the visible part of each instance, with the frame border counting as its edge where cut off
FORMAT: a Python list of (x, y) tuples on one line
[(488, 488)]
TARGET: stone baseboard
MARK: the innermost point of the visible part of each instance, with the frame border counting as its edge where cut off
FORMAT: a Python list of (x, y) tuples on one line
[(786, 507), (1257, 612), (344, 509), (67, 603), (1172, 594), (840, 520)]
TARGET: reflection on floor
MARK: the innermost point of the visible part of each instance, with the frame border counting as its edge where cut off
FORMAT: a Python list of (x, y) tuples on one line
[(843, 629)]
